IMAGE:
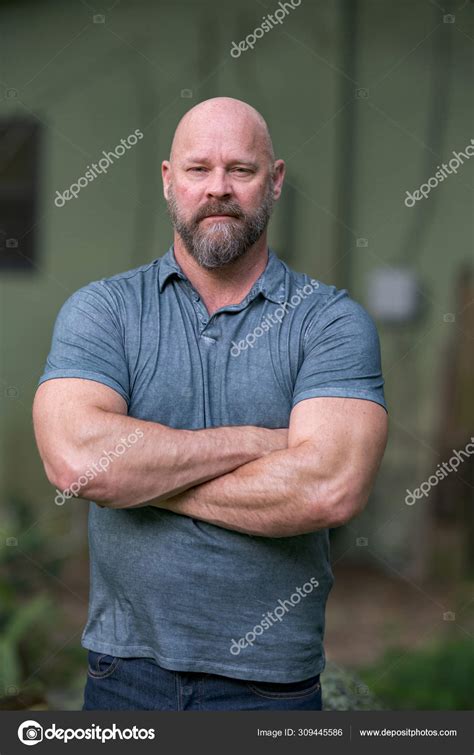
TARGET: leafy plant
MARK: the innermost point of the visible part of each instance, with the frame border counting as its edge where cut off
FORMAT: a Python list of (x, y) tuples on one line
[(31, 615), (14, 631), (439, 677)]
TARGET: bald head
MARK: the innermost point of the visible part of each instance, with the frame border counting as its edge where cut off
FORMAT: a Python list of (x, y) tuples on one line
[(221, 181), (223, 117)]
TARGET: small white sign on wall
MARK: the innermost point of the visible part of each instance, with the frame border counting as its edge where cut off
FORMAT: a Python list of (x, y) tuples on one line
[(393, 294)]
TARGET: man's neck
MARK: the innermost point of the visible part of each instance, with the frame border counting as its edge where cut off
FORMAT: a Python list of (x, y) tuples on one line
[(226, 285)]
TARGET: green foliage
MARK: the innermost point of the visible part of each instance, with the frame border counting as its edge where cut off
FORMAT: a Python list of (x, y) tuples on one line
[(438, 677), (31, 616), (14, 632), (343, 690)]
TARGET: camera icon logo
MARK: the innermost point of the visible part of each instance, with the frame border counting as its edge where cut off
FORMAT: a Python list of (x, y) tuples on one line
[(30, 732), (362, 689)]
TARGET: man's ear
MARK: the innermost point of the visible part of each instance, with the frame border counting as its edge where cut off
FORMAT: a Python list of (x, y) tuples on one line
[(279, 169), (165, 175)]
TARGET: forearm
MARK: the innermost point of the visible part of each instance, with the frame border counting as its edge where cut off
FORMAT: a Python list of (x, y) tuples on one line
[(275, 496), (163, 461), (321, 480)]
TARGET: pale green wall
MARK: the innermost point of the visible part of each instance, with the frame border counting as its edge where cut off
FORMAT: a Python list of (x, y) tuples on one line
[(99, 89)]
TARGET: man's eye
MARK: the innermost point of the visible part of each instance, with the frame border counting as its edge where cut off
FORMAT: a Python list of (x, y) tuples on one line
[(243, 170), (197, 169)]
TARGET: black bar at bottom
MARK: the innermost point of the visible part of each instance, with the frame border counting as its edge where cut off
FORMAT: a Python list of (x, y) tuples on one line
[(350, 732)]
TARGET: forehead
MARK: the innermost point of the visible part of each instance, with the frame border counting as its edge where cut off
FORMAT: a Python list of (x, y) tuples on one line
[(219, 138)]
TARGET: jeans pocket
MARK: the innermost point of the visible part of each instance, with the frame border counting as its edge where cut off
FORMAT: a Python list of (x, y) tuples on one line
[(291, 691), (101, 665)]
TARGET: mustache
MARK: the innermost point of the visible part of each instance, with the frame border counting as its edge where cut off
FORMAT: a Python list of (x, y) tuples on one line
[(231, 209)]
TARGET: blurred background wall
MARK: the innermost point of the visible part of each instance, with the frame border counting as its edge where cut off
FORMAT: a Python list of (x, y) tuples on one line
[(364, 99)]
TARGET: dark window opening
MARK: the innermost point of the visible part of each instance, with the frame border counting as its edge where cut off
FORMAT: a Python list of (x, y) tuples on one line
[(19, 153)]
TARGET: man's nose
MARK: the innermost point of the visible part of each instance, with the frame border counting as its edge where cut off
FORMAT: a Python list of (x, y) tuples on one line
[(219, 184)]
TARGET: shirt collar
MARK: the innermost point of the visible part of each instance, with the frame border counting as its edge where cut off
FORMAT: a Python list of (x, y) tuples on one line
[(270, 284), (168, 267)]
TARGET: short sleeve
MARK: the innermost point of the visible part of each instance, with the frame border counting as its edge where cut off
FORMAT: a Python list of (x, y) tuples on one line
[(341, 354), (88, 341)]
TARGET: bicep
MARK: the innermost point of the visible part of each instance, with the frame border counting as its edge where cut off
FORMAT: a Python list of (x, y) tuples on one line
[(86, 370), (335, 418), (61, 405), (345, 439)]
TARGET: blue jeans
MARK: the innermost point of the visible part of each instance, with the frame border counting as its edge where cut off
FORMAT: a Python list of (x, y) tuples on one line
[(141, 684)]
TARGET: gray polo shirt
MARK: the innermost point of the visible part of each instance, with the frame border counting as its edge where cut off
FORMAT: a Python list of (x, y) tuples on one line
[(194, 596)]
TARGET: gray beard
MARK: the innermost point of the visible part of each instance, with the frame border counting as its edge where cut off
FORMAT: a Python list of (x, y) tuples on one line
[(221, 242)]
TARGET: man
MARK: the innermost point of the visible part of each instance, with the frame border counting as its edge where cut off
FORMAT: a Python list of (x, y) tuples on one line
[(239, 407)]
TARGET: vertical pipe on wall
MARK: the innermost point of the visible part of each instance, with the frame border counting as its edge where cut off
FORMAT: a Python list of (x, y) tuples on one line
[(346, 146)]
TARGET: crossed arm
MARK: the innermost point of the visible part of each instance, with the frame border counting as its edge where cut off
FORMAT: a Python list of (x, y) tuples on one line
[(272, 483), (321, 480)]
